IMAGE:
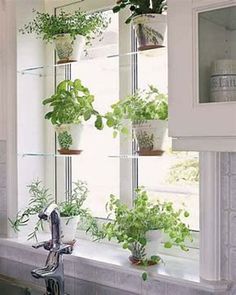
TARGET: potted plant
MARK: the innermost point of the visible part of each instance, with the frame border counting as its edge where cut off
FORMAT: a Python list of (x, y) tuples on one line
[(71, 211), (141, 228), (71, 105), (148, 112), (68, 31), (148, 20)]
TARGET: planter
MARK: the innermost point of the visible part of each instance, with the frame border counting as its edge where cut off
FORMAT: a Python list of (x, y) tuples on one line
[(68, 50), (150, 30), (69, 138), (151, 137), (68, 229), (153, 241), (140, 253)]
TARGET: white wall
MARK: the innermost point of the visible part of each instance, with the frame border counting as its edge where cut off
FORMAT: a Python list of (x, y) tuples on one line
[(30, 90)]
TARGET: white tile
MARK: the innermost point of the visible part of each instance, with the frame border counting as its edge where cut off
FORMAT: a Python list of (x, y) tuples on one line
[(2, 151), (225, 164), (179, 290), (153, 287), (129, 282), (233, 163), (3, 175), (225, 262), (225, 192), (232, 228), (225, 227), (232, 192), (232, 264)]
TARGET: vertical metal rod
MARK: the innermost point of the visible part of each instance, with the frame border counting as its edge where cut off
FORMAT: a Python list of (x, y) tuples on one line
[(68, 160), (134, 88)]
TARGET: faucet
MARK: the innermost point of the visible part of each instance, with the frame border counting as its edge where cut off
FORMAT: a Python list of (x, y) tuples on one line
[(53, 271)]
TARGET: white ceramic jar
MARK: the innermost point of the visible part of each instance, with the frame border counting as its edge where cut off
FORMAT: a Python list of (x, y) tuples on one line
[(223, 80)]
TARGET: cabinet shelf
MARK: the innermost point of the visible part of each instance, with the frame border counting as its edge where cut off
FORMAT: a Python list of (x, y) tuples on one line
[(47, 70)]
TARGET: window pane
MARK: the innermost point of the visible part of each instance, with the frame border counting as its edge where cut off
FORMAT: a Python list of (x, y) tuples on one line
[(101, 76), (174, 176)]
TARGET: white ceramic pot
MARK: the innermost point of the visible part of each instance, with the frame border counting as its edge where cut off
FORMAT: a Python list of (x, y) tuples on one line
[(151, 135), (68, 229), (69, 50), (72, 134), (150, 30), (153, 241)]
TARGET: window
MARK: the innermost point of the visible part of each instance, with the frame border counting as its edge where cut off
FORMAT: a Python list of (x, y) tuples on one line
[(107, 71)]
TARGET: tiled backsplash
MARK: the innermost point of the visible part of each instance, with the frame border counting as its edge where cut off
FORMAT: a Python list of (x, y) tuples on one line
[(3, 192), (228, 217)]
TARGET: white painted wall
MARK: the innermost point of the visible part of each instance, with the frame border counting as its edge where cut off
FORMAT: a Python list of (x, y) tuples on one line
[(30, 93)]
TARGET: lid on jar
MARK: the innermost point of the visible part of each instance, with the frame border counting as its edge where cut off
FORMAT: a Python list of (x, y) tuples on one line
[(223, 66)]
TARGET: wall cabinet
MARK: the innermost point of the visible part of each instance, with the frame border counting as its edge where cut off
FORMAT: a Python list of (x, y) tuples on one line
[(202, 74)]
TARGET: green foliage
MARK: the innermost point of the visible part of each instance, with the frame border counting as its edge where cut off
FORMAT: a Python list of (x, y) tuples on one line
[(72, 103), (73, 207), (139, 107), (39, 199), (130, 226), (138, 7), (78, 23), (186, 171), (65, 140)]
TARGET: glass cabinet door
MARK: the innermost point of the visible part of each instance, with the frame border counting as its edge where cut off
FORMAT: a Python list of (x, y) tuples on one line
[(217, 55)]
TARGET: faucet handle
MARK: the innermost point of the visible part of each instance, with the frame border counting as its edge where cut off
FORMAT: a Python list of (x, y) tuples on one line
[(47, 245), (65, 249)]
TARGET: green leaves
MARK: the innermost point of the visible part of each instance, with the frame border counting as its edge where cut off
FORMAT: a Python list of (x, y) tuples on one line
[(129, 226), (71, 104), (139, 107), (47, 26), (39, 199), (138, 7)]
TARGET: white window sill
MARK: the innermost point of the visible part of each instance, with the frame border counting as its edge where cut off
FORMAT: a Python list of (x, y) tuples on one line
[(109, 260)]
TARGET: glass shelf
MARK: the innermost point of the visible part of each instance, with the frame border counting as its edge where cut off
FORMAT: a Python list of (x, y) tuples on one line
[(46, 70), (123, 156)]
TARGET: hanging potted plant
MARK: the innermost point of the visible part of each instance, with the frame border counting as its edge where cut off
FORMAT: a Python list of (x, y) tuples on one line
[(72, 104), (141, 228), (71, 211), (68, 31), (148, 20), (148, 112)]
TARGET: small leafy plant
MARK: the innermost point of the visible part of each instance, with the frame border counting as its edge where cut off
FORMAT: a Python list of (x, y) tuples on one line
[(65, 140), (71, 104), (139, 107), (48, 26), (130, 226), (139, 7), (40, 198)]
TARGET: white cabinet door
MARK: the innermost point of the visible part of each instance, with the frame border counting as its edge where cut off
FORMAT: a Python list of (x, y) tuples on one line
[(202, 73)]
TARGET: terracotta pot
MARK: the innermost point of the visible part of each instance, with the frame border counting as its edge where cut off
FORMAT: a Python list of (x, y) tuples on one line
[(150, 30), (71, 134), (151, 136), (68, 229), (68, 49)]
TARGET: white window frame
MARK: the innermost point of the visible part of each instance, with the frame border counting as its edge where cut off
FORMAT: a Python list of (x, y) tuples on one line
[(210, 237)]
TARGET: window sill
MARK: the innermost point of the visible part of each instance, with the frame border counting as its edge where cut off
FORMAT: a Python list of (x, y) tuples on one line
[(106, 264)]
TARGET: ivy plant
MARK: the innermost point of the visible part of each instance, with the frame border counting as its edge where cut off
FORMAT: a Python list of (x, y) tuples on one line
[(140, 107), (139, 7), (129, 226), (72, 104), (79, 22)]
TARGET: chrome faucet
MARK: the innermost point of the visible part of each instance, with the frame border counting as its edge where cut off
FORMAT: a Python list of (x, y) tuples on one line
[(53, 271)]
